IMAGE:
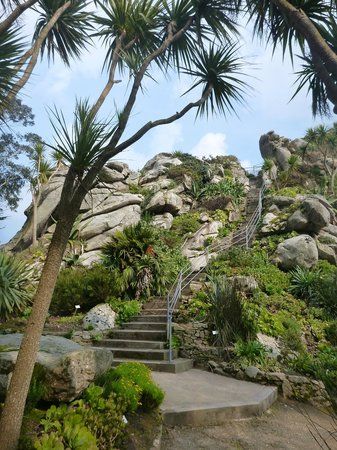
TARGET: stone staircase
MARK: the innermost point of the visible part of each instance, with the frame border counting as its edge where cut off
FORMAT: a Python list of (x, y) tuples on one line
[(144, 340)]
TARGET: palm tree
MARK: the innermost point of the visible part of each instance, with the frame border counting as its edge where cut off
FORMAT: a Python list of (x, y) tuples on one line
[(217, 74), (40, 175), (62, 28), (311, 26), (14, 9)]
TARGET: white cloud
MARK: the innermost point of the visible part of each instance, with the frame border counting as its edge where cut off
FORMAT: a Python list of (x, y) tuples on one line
[(246, 163), (134, 158), (211, 144), (167, 138)]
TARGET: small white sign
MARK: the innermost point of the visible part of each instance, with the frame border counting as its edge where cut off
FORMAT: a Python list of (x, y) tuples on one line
[(77, 307), (215, 332)]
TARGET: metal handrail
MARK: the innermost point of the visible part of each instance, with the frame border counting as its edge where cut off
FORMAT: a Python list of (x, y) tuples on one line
[(242, 238)]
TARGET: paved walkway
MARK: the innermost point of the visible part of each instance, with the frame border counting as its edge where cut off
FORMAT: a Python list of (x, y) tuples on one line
[(197, 397), (283, 427)]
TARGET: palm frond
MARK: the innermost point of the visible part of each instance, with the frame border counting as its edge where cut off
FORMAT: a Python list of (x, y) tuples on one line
[(11, 47), (83, 143), (220, 69), (70, 35)]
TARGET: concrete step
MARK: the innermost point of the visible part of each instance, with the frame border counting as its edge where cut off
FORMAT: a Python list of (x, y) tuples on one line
[(176, 366), (154, 311), (150, 318), (139, 335), (154, 326), (141, 354), (200, 398), (124, 343)]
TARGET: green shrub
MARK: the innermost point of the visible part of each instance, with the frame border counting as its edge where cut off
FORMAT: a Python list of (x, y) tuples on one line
[(322, 366), (292, 334), (290, 191), (125, 310), (81, 286), (140, 263), (151, 396), (226, 187), (15, 278), (250, 352), (331, 332), (38, 388), (187, 223), (128, 391), (304, 283), (196, 308), (219, 202), (254, 263), (195, 168), (227, 313)]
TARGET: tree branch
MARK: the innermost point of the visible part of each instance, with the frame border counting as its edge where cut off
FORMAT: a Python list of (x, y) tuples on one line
[(147, 127), (112, 71), (15, 14), (304, 25), (35, 53)]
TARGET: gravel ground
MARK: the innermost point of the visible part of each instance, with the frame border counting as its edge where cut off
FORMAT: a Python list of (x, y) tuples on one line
[(289, 426)]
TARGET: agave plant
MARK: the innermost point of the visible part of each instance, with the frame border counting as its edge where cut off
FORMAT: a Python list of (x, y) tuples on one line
[(15, 277), (304, 284)]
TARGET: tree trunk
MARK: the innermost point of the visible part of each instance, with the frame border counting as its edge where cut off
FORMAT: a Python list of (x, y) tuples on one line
[(12, 414), (15, 14), (323, 55), (34, 228)]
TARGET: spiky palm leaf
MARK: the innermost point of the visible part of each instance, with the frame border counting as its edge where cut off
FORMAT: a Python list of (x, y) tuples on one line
[(219, 68), (70, 35), (136, 20), (11, 47), (82, 145), (271, 23)]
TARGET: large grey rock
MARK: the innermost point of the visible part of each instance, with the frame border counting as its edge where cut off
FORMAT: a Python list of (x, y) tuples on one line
[(108, 223), (270, 223), (100, 318), (297, 251), (113, 202), (108, 175), (69, 367), (163, 221), (331, 229), (298, 221), (157, 166), (270, 343), (327, 252), (246, 284), (165, 201), (274, 147), (318, 215)]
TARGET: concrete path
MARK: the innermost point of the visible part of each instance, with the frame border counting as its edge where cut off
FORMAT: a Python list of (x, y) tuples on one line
[(199, 398), (286, 426)]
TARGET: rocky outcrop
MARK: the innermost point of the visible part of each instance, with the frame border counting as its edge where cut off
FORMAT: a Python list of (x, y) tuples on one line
[(68, 367), (276, 148), (297, 251), (100, 318), (157, 166), (165, 202)]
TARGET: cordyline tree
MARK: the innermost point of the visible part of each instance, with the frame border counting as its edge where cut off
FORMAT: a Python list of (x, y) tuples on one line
[(192, 37)]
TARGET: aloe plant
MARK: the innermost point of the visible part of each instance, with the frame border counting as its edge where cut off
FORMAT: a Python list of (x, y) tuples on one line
[(14, 279)]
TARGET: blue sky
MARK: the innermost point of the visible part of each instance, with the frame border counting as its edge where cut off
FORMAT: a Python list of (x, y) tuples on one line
[(267, 108)]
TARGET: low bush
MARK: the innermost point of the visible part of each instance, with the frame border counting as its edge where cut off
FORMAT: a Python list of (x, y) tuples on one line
[(227, 314), (151, 396), (331, 332), (196, 309), (125, 310), (321, 366), (185, 224), (15, 279), (91, 423), (250, 352), (226, 187), (81, 286), (254, 263), (220, 202), (292, 334)]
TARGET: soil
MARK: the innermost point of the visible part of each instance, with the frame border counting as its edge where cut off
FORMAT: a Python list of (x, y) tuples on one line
[(286, 426)]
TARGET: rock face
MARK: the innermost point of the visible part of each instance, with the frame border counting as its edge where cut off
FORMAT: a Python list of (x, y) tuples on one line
[(297, 251), (158, 166), (69, 367), (165, 202), (275, 148), (100, 318)]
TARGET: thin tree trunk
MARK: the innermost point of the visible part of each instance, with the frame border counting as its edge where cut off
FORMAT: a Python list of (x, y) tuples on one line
[(12, 414), (34, 228), (15, 14), (35, 53)]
